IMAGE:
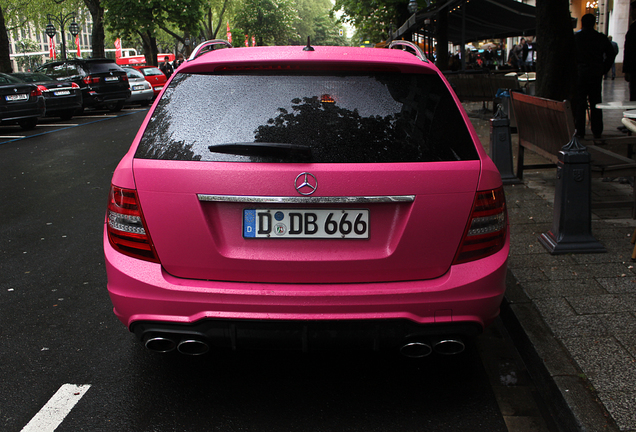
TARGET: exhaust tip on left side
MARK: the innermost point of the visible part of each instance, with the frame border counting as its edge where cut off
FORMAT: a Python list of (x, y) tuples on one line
[(160, 344), (416, 349)]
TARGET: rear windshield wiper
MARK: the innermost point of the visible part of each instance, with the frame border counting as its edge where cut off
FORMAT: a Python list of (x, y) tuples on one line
[(263, 149)]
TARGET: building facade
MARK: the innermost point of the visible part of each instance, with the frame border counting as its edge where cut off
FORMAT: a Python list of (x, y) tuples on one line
[(30, 46)]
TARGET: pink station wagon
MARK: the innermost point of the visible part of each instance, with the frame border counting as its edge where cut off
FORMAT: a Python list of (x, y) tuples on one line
[(306, 198)]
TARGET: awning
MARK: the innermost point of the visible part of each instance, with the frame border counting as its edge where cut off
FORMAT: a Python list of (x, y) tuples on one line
[(477, 20)]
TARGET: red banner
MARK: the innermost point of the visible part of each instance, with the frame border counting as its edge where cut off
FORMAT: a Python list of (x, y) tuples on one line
[(253, 40), (117, 48), (229, 33), (77, 42), (246, 42), (51, 49)]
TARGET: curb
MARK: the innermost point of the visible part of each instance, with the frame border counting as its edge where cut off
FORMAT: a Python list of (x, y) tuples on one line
[(570, 400)]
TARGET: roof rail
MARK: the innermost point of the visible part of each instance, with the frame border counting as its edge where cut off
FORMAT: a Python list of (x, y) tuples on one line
[(417, 50), (201, 48)]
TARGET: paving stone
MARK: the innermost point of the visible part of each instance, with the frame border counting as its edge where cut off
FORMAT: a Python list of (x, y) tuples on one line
[(563, 288), (605, 363), (599, 304), (622, 407)]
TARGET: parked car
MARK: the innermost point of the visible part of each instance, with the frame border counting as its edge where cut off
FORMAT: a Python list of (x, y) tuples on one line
[(104, 84), (141, 90), (61, 98), (301, 198), (154, 76), (20, 103)]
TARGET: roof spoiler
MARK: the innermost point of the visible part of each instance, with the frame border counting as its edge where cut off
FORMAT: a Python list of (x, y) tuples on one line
[(206, 46), (417, 51)]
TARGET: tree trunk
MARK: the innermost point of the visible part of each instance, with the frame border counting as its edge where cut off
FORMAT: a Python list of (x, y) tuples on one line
[(5, 58), (556, 58), (442, 39), (150, 48), (97, 13)]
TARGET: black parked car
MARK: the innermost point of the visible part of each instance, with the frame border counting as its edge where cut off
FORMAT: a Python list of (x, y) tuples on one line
[(20, 103), (104, 84), (62, 98)]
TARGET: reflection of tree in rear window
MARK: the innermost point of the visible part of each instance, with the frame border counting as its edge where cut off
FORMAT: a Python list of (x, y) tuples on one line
[(353, 118)]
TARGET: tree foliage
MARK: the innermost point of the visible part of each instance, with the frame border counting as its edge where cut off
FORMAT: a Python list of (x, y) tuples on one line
[(270, 21), (129, 18), (373, 18)]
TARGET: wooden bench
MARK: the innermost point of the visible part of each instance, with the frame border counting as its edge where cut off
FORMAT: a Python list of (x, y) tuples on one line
[(545, 126), (480, 86)]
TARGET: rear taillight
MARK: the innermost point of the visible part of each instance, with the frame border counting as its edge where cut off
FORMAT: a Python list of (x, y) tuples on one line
[(75, 86), (126, 228), (89, 79), (124, 78), (37, 91), (487, 229)]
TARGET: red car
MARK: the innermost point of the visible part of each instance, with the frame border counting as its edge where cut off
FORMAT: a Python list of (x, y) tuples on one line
[(306, 198), (154, 76)]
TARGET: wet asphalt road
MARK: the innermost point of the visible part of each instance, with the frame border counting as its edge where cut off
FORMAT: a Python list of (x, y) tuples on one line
[(57, 325)]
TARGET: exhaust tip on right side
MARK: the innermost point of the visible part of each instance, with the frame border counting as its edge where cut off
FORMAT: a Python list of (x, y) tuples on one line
[(449, 346)]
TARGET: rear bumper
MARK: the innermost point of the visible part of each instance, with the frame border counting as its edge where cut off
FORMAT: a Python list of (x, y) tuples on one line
[(91, 98), (463, 301), (22, 111)]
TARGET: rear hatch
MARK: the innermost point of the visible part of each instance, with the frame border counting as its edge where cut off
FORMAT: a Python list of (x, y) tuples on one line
[(106, 78), (301, 178)]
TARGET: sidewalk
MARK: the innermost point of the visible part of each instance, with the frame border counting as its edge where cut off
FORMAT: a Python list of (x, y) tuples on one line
[(573, 317)]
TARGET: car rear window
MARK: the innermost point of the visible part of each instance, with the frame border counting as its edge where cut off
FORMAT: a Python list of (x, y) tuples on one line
[(103, 67), (360, 118), (151, 71)]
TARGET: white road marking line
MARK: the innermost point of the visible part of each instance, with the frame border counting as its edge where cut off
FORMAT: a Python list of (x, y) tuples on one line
[(56, 124), (11, 136), (57, 408)]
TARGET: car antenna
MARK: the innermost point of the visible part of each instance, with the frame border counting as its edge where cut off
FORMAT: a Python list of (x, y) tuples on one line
[(308, 47)]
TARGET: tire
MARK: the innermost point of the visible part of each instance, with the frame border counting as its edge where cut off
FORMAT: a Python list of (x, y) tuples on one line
[(115, 106), (28, 124), (67, 115)]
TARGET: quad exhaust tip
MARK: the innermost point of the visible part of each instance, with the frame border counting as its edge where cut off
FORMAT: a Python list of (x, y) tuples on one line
[(416, 349), (167, 343), (449, 346), (423, 348), (160, 344), (193, 347)]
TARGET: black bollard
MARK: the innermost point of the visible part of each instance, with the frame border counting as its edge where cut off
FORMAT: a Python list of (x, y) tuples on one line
[(501, 146), (572, 223)]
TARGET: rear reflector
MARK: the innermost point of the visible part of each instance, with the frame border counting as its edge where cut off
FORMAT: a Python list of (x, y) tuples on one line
[(126, 228), (488, 227)]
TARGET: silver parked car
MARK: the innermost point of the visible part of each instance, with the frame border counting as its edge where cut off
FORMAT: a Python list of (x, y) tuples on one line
[(140, 90)]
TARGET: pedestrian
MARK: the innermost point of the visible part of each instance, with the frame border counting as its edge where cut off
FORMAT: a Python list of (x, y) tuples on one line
[(166, 67), (528, 54), (613, 70), (517, 55), (594, 57), (629, 56), (177, 62)]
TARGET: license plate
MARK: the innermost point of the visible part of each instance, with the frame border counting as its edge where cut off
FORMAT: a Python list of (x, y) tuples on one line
[(17, 97), (111, 79), (138, 87), (306, 224), (62, 92)]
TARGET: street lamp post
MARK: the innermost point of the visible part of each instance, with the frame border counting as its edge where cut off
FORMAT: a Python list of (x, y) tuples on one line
[(61, 21)]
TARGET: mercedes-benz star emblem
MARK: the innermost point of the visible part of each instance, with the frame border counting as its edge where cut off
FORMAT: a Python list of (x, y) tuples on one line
[(306, 183)]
